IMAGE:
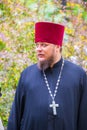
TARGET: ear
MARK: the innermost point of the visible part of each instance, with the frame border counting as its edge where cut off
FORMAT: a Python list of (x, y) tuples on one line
[(58, 48)]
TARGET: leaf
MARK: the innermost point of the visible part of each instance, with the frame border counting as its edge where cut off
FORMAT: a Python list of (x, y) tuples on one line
[(76, 10), (84, 15), (2, 45)]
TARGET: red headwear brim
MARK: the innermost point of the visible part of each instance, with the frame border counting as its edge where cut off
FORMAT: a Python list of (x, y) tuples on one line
[(49, 32)]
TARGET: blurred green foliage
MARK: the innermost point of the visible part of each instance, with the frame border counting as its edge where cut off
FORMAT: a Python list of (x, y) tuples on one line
[(2, 45)]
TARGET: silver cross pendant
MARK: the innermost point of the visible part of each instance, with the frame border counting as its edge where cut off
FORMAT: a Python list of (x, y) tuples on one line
[(54, 105)]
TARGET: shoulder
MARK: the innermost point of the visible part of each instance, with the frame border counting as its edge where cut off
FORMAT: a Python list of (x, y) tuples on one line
[(26, 73), (74, 67), (75, 72), (30, 69)]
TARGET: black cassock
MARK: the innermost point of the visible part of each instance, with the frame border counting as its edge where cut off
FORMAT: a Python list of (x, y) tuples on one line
[(30, 109)]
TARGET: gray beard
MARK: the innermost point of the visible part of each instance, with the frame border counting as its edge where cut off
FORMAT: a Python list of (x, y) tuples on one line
[(43, 65)]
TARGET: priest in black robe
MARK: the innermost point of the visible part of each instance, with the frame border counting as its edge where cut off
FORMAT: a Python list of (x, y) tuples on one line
[(52, 94)]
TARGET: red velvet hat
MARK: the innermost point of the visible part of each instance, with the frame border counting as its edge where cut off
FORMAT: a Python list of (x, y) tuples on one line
[(49, 32)]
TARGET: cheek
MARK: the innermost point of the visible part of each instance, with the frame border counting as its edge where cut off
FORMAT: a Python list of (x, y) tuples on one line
[(52, 50), (49, 53)]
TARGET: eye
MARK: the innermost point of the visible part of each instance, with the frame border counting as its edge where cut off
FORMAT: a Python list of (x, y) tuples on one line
[(44, 45), (37, 45), (41, 45)]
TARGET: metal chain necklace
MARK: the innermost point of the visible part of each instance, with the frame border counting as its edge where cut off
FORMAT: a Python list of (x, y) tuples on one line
[(54, 105)]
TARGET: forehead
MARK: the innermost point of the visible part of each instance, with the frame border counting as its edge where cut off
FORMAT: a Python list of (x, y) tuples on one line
[(43, 43), (46, 43)]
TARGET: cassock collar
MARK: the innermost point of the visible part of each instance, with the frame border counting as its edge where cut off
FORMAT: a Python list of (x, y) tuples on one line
[(56, 65)]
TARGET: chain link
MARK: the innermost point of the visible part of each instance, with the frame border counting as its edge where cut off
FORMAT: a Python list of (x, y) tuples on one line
[(57, 84)]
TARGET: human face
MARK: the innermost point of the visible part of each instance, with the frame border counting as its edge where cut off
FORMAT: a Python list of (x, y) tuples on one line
[(45, 50)]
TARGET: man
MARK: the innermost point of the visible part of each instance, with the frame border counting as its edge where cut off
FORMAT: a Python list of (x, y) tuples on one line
[(52, 94)]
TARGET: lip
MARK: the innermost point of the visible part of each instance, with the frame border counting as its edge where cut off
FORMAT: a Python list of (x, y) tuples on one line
[(40, 55)]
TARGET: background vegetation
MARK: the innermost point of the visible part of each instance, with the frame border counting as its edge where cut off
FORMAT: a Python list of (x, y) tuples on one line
[(17, 19)]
